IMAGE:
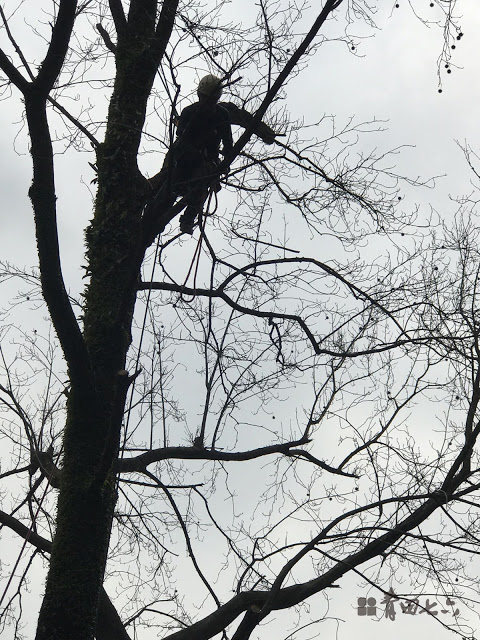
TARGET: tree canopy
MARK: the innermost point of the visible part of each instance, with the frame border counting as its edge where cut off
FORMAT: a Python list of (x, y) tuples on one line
[(218, 428)]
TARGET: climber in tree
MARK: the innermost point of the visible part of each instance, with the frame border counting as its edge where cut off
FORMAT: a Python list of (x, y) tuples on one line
[(191, 165)]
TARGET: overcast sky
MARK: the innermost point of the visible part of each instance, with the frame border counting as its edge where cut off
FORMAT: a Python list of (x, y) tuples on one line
[(391, 76)]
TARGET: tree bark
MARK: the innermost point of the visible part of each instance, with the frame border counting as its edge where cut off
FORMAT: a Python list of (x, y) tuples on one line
[(97, 399)]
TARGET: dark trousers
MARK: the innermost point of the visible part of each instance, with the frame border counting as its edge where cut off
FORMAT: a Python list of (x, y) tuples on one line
[(187, 175)]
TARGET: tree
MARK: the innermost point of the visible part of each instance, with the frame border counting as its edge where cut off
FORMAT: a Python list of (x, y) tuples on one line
[(254, 317)]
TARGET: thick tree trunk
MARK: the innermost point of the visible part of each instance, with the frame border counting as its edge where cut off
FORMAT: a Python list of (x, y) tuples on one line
[(96, 402), (80, 546)]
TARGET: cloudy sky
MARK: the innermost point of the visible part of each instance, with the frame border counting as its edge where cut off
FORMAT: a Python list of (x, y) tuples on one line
[(391, 77)]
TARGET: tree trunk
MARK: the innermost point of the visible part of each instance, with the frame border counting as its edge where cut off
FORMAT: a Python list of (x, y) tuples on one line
[(96, 403)]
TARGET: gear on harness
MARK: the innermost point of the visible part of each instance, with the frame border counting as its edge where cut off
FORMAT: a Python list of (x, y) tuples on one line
[(190, 169)]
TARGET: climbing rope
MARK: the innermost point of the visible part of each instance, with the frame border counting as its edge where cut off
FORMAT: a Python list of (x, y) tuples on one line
[(137, 361), (196, 256)]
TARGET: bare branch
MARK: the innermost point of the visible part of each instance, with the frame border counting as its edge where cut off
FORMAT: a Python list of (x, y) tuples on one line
[(13, 74), (116, 9), (109, 625), (140, 463), (330, 5), (57, 49), (106, 38), (219, 293)]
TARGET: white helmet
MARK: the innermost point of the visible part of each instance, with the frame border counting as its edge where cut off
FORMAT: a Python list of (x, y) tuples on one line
[(210, 86)]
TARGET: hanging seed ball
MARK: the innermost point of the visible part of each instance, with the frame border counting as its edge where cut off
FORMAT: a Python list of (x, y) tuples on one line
[(454, 46), (440, 90), (449, 71)]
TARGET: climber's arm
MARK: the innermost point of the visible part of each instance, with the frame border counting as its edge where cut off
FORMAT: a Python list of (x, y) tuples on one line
[(184, 121), (243, 118)]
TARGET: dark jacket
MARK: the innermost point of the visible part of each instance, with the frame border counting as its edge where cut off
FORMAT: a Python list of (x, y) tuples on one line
[(203, 128)]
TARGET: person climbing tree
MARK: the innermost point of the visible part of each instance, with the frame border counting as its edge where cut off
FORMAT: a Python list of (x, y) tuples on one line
[(191, 166)]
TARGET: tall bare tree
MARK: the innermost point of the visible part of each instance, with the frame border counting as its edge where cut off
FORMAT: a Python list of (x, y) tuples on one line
[(142, 439)]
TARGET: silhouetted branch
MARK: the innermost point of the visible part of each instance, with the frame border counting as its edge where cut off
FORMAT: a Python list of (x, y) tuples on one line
[(109, 624)]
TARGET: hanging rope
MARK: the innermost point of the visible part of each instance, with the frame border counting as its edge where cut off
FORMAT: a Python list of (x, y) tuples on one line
[(196, 256), (195, 263), (137, 361)]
